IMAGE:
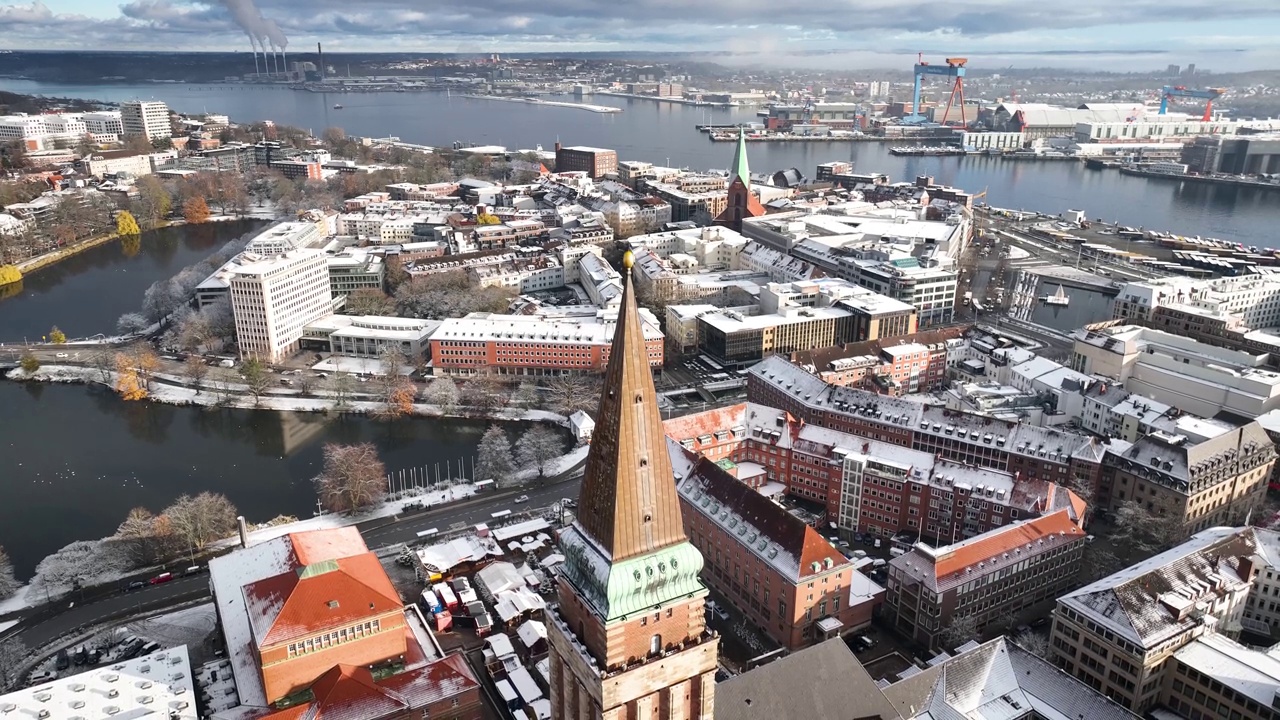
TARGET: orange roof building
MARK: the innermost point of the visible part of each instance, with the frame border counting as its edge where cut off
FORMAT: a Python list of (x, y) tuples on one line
[(989, 577), (311, 620)]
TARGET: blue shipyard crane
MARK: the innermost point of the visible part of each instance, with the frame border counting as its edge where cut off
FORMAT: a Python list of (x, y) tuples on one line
[(955, 69), (1179, 91)]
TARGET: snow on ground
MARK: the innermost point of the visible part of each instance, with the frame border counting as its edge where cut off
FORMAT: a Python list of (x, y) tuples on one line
[(19, 601), (6, 625), (356, 366), (562, 464), (285, 400), (184, 627)]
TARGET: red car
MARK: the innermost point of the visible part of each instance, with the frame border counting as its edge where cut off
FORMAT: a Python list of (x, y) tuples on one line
[(161, 578)]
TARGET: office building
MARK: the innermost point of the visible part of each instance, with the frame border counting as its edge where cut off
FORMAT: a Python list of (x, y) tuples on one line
[(313, 628), (555, 342), (1234, 154), (1197, 485), (148, 118), (778, 572), (865, 485), (1049, 454), (369, 335), (353, 269), (273, 300), (988, 578), (891, 366), (595, 162), (1119, 634), (1194, 377), (29, 130), (629, 638)]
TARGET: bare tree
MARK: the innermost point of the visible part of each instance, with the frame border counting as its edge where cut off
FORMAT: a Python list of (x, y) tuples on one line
[(1033, 643), (369, 301), (13, 653), (256, 377), (8, 579), (306, 383), (148, 538), (538, 445), (199, 520), (1097, 562), (493, 457), (1145, 530), (442, 391), (526, 396), (104, 361), (483, 392), (566, 394), (342, 386), (962, 628), (353, 477), (195, 370)]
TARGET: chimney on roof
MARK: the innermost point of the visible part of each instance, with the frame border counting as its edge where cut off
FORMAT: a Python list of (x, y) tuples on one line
[(244, 531)]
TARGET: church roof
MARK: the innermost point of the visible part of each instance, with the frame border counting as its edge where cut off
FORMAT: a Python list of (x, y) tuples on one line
[(629, 505)]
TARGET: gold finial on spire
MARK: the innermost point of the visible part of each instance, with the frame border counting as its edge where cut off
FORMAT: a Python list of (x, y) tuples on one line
[(628, 259)]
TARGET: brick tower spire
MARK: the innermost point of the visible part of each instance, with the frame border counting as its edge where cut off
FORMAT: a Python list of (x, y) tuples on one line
[(629, 638)]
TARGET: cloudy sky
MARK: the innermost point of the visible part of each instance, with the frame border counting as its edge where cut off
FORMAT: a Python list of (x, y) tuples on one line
[(1104, 34)]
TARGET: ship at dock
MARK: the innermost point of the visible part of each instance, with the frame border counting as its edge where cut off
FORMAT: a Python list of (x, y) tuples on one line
[(927, 150)]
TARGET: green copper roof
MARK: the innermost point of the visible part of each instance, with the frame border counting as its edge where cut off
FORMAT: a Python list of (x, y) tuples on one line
[(739, 168)]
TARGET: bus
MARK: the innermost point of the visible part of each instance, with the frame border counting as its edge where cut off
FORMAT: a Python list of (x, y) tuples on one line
[(500, 514), (428, 532)]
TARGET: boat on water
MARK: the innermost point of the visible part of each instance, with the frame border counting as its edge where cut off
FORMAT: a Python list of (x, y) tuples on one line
[(926, 150), (1058, 298), (337, 106)]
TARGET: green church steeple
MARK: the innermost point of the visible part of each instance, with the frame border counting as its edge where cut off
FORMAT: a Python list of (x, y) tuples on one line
[(739, 168)]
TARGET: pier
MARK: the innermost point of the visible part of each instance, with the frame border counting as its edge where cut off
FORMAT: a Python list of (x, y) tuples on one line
[(604, 109)]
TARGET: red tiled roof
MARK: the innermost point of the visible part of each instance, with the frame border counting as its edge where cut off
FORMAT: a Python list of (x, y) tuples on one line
[(297, 604), (704, 423), (995, 543), (317, 545), (348, 692)]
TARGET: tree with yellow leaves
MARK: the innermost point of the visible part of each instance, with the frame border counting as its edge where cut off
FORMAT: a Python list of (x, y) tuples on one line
[(398, 399), (56, 336), (127, 225), (128, 383)]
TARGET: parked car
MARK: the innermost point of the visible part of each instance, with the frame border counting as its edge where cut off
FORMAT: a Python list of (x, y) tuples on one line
[(193, 570), (1039, 622), (522, 499), (63, 660), (161, 578), (877, 543), (570, 503), (135, 585), (43, 676)]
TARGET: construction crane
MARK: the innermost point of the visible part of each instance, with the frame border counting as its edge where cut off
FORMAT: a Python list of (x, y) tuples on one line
[(1179, 91), (954, 69)]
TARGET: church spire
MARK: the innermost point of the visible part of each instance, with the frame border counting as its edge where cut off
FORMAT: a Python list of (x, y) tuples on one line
[(628, 504), (739, 168)]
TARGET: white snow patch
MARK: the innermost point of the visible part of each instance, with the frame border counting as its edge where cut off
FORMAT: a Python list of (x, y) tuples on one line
[(21, 600), (184, 627)]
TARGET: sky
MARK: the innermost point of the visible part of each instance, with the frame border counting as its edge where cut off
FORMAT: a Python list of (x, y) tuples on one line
[(1095, 34)]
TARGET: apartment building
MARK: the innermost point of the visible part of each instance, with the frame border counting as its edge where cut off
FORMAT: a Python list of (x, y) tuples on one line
[(1215, 677), (872, 315), (891, 366), (552, 343), (988, 578), (522, 272), (595, 162), (1194, 377), (1215, 481), (274, 298), (313, 627), (1049, 454), (778, 572), (1118, 634), (148, 118)]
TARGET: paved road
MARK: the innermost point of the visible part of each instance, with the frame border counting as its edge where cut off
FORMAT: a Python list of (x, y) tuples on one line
[(404, 530)]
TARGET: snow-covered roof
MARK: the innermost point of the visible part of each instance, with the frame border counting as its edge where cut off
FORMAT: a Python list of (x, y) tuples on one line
[(230, 574), (443, 557), (531, 632), (1130, 603), (1252, 673), (158, 685), (499, 577)]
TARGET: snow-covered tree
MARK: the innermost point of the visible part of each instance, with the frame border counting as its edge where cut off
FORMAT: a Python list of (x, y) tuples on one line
[(537, 446), (526, 396), (82, 563), (8, 580), (1033, 643), (493, 457), (12, 654), (962, 628), (443, 392), (131, 322)]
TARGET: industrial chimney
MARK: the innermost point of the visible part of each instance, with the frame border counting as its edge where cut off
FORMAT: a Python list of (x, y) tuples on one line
[(244, 531), (320, 62)]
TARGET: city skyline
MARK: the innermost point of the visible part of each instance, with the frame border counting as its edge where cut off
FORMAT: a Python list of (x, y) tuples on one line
[(860, 34)]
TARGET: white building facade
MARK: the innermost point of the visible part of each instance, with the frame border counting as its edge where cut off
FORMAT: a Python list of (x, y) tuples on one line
[(273, 300), (148, 118)]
